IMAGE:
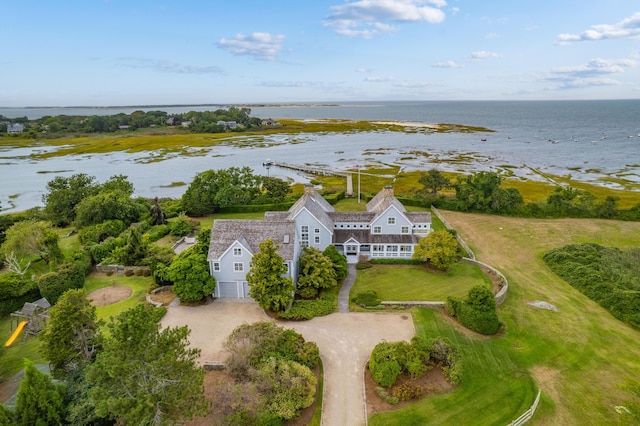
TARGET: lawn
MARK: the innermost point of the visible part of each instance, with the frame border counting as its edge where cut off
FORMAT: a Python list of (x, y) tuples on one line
[(416, 282), (12, 357), (140, 286), (494, 388), (581, 357)]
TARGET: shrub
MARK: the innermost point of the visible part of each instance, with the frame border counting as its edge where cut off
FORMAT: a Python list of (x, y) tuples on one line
[(308, 309), (101, 231), (65, 277), (390, 399), (389, 360), (408, 391), (363, 265), (366, 298), (477, 312), (15, 291), (442, 351), (181, 226), (129, 273), (157, 232)]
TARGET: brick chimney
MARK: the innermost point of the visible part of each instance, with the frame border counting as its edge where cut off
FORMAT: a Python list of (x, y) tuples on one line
[(387, 191)]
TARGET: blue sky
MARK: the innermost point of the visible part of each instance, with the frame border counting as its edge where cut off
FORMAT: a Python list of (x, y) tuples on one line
[(117, 52)]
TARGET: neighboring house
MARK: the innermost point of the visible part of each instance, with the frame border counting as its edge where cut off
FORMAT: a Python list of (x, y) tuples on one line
[(227, 124), (386, 229), (270, 122), (15, 128), (186, 123)]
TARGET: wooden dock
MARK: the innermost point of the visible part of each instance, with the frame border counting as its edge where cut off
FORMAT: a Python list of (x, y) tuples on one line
[(307, 169)]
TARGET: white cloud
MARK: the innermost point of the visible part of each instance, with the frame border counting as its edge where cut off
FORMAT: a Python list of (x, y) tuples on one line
[(377, 79), (447, 64), (368, 18), (291, 83), (414, 84), (483, 54), (262, 46), (594, 73), (627, 28), (169, 66), (363, 70)]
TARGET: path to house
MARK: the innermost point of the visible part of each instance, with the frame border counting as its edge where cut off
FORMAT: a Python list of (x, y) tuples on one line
[(345, 341), (343, 297)]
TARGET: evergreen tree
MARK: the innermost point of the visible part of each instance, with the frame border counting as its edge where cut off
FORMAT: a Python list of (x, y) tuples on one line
[(145, 374), (40, 402), (267, 286), (339, 261), (316, 272)]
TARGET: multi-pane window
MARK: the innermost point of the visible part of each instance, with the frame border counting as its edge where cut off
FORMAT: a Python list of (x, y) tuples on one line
[(391, 220), (237, 251), (392, 248), (404, 230), (316, 239), (238, 266), (286, 266), (377, 229), (216, 266), (304, 236), (316, 230)]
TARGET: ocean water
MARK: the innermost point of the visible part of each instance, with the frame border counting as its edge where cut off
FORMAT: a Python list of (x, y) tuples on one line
[(588, 140)]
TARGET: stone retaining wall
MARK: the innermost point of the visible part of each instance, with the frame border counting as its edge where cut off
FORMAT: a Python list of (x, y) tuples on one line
[(120, 269)]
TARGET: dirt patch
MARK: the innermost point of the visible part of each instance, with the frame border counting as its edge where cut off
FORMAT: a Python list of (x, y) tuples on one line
[(164, 296), (109, 295), (216, 382), (433, 381)]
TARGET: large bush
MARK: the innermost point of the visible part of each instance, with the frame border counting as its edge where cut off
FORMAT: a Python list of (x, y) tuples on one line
[(15, 291), (607, 275), (66, 276), (477, 312), (389, 360)]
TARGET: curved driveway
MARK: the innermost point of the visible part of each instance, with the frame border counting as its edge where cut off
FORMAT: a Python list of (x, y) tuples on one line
[(345, 341)]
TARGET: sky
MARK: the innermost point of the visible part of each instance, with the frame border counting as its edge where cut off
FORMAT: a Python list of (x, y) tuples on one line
[(136, 52)]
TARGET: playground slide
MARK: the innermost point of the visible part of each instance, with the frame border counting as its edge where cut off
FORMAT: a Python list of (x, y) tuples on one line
[(16, 333)]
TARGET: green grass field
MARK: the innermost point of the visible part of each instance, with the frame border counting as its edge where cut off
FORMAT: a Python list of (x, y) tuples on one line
[(139, 285), (415, 282), (580, 357), (494, 386)]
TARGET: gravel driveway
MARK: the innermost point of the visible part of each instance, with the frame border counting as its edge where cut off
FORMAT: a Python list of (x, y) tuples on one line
[(345, 341)]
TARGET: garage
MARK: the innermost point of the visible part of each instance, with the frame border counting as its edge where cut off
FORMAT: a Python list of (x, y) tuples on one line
[(245, 287), (225, 289)]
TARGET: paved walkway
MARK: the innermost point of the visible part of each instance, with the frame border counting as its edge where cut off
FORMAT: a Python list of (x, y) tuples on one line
[(343, 297)]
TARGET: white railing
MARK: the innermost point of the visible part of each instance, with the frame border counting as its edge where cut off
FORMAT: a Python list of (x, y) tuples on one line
[(526, 416)]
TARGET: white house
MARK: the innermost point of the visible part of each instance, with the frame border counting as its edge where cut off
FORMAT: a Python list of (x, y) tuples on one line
[(15, 128), (386, 229)]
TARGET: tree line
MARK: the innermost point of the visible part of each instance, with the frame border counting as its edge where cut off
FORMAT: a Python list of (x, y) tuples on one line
[(483, 192), (194, 121)]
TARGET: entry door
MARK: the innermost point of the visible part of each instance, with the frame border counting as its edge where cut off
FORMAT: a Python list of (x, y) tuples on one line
[(351, 249)]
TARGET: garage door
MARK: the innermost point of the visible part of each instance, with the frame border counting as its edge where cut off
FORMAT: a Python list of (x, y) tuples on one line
[(245, 287), (228, 289)]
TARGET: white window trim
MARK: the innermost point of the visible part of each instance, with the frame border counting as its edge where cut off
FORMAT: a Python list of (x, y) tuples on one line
[(377, 229), (239, 252), (404, 230), (216, 266), (238, 267), (391, 220)]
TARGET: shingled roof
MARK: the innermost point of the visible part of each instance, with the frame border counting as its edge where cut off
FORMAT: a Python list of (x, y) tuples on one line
[(315, 204), (251, 233), (383, 200)]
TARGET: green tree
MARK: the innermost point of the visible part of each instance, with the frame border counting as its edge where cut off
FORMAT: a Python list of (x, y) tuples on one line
[(481, 192), (71, 337), (64, 194), (339, 261), (273, 189), (146, 374), (315, 273), (267, 285), (439, 248), (189, 272), (117, 183), (66, 276), (40, 402), (134, 251), (107, 206), (32, 238), (434, 181), (213, 189)]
